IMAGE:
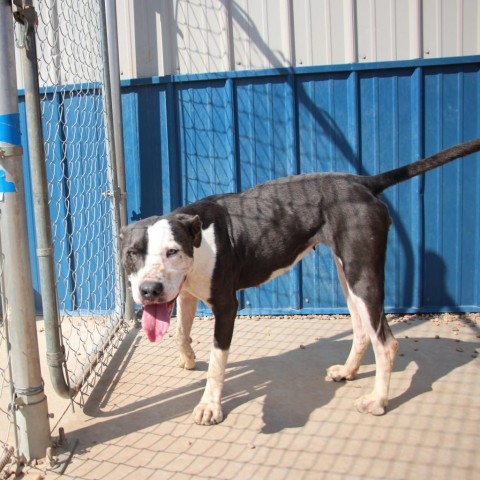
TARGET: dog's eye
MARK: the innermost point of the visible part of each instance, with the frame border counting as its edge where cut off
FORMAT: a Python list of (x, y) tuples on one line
[(172, 252)]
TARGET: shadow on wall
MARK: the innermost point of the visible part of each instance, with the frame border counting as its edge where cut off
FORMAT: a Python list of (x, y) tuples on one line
[(436, 294)]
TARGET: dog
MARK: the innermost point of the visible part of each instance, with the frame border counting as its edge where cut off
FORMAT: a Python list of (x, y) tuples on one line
[(216, 246)]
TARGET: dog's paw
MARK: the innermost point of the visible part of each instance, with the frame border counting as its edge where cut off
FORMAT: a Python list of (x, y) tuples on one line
[(208, 414), (186, 357), (337, 373), (187, 361), (371, 404)]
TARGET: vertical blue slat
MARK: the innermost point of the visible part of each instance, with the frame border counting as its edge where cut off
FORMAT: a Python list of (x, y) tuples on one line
[(206, 148), (389, 113), (207, 155), (470, 284), (131, 153), (328, 141), (171, 164), (293, 158), (266, 150), (434, 271), (413, 296)]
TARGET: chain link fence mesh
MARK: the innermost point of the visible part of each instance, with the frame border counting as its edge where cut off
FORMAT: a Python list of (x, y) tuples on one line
[(79, 171)]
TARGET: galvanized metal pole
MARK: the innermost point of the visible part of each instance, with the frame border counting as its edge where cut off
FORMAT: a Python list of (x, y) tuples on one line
[(114, 67), (112, 158), (30, 400), (46, 266)]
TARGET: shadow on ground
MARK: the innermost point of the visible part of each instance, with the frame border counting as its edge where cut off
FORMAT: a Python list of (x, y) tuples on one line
[(291, 383)]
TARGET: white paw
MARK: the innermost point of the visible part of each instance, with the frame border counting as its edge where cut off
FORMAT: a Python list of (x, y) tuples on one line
[(187, 361), (337, 373), (208, 414), (371, 404)]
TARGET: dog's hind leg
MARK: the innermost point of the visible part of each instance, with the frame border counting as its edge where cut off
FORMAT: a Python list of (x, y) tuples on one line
[(361, 263), (366, 296), (186, 308), (385, 348), (360, 341), (209, 410)]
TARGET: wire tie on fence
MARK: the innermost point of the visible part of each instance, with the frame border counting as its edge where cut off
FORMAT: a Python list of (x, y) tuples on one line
[(116, 194), (110, 194), (44, 252), (29, 391), (55, 359)]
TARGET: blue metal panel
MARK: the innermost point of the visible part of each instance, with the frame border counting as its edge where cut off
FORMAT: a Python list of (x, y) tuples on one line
[(146, 145), (54, 137), (327, 139), (388, 117), (238, 129), (265, 137), (80, 206), (190, 136), (451, 193), (82, 197), (206, 140)]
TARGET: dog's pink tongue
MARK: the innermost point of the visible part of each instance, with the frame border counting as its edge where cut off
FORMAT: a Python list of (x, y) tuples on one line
[(155, 321)]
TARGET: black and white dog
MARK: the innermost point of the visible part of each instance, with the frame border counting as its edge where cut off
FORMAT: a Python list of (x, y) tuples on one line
[(210, 249)]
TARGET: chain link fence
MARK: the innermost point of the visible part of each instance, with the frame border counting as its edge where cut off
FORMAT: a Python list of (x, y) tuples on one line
[(80, 186)]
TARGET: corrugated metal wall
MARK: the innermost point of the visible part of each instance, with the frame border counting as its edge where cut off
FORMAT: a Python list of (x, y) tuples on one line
[(197, 36), (191, 136)]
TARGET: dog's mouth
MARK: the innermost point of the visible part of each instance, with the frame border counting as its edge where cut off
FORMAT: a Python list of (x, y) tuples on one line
[(156, 320)]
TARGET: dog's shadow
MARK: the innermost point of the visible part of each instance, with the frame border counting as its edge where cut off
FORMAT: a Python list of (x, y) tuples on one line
[(292, 383)]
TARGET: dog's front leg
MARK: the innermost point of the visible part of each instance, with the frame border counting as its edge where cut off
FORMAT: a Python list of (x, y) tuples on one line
[(186, 308), (209, 410)]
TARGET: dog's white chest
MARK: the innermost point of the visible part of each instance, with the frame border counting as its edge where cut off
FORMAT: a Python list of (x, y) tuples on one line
[(199, 280)]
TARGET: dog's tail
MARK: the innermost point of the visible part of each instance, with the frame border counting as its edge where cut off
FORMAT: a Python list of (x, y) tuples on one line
[(378, 183)]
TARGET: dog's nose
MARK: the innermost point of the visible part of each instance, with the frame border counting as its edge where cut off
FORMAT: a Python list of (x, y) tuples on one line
[(150, 290)]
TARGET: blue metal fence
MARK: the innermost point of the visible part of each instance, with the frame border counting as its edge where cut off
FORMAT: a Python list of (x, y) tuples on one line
[(190, 136)]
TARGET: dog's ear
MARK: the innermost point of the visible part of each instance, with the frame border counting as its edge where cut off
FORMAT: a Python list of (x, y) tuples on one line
[(196, 230), (194, 227)]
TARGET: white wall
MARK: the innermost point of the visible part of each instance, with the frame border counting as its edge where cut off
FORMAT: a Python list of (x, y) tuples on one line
[(162, 37), (195, 36)]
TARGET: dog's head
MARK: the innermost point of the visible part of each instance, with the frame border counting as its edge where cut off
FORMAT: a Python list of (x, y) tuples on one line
[(157, 254)]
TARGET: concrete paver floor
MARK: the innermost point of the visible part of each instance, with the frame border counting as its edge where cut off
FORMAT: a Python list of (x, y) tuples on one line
[(282, 419)]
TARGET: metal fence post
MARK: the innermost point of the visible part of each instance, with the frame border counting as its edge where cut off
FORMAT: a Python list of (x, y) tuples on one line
[(114, 67), (55, 351), (116, 167), (30, 400)]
